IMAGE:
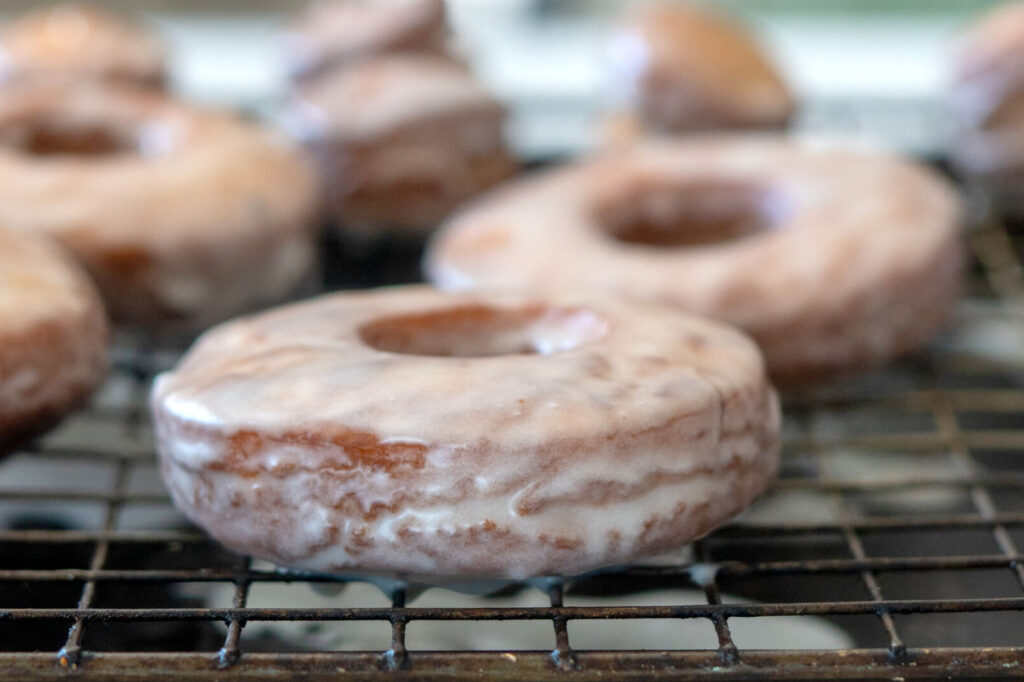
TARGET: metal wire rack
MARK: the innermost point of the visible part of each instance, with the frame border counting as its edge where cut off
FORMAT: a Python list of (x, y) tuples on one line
[(897, 523)]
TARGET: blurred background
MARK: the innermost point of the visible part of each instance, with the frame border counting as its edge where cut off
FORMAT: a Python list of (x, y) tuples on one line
[(848, 58)]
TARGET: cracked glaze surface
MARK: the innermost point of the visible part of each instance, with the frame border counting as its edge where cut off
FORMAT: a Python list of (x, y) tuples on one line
[(627, 430)]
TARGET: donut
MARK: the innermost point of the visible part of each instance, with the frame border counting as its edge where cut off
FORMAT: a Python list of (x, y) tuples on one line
[(400, 140), (53, 336), (987, 97), (676, 68), (427, 435), (74, 41), (182, 216), (833, 260), (333, 33)]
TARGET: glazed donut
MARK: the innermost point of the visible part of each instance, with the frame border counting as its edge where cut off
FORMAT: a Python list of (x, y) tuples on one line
[(832, 260), (334, 33), (182, 216), (674, 68), (401, 140), (71, 40), (413, 433), (988, 97), (53, 336)]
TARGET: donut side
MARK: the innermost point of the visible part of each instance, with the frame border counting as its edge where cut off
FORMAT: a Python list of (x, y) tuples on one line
[(868, 330), (888, 293), (53, 338), (258, 515), (340, 518)]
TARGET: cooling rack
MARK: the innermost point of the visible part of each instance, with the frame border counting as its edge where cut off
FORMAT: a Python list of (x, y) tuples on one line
[(897, 523)]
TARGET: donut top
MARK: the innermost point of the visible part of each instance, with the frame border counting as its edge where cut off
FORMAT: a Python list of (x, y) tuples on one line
[(377, 96), (415, 374), (731, 226), (128, 164), (71, 39), (683, 68), (333, 32), (38, 281)]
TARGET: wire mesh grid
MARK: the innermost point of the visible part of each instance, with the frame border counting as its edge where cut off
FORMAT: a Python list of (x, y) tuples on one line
[(893, 539)]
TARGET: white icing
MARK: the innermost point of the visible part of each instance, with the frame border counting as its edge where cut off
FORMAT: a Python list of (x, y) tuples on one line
[(587, 444), (703, 575), (591, 525)]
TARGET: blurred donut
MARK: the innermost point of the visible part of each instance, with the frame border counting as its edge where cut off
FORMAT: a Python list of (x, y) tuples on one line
[(74, 40), (401, 140), (53, 336), (832, 260), (988, 98), (333, 33), (676, 68), (182, 216)]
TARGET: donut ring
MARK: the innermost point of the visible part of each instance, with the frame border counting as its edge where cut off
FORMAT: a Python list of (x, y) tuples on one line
[(676, 68), (53, 337), (414, 433), (72, 40), (832, 260), (334, 33), (182, 216)]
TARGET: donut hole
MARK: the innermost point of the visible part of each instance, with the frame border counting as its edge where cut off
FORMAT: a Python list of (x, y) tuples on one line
[(43, 137), (476, 331), (662, 214)]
